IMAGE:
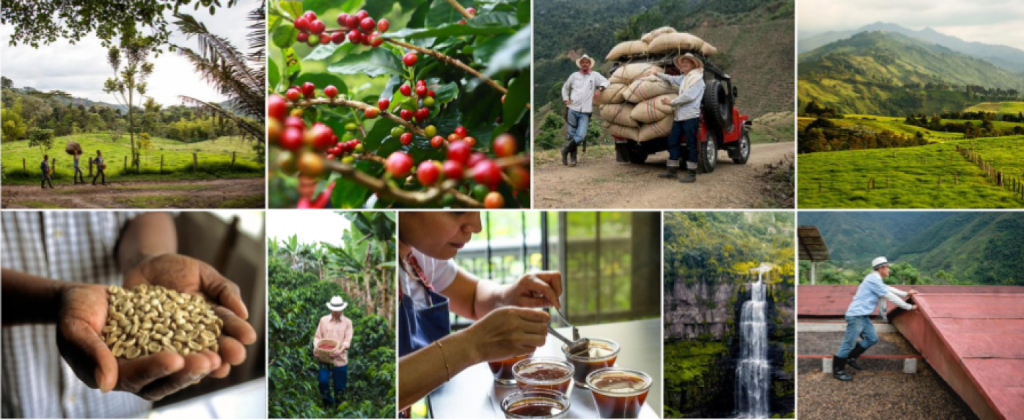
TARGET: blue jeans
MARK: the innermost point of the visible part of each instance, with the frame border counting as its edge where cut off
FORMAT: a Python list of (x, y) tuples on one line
[(857, 326), (340, 381), (686, 128), (578, 123)]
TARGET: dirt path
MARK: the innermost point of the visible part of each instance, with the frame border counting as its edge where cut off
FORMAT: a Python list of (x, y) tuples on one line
[(245, 192), (600, 182)]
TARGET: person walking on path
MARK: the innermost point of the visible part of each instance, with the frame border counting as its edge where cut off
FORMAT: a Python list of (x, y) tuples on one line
[(337, 327), (687, 116), (78, 171), (100, 169), (45, 168), (578, 95), (858, 322)]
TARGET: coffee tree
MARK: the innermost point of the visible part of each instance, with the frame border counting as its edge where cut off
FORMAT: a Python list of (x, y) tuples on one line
[(399, 103)]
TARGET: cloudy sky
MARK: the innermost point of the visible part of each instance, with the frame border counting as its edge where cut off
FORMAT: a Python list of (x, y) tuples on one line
[(82, 68), (999, 22), (313, 226)]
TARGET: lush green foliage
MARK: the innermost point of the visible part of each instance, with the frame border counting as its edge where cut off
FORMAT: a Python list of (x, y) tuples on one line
[(302, 278), (909, 177), (708, 245), (495, 43), (892, 74), (929, 247), (214, 158), (998, 107)]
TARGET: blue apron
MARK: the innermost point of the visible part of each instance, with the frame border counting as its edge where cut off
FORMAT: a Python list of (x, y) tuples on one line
[(418, 328)]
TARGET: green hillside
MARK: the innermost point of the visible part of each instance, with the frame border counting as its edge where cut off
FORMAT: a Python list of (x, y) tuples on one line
[(971, 247), (998, 107), (840, 179), (891, 74)]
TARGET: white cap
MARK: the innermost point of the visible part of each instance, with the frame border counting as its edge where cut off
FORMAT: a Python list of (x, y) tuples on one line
[(337, 304), (879, 262)]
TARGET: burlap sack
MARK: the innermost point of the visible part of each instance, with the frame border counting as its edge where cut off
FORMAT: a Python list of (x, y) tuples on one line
[(627, 49), (675, 42), (708, 50), (623, 132), (652, 110), (619, 114), (648, 37), (72, 147), (648, 87), (631, 72), (613, 94), (656, 130)]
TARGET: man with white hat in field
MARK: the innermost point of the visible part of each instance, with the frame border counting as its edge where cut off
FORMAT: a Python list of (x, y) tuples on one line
[(338, 328), (578, 94), (858, 322)]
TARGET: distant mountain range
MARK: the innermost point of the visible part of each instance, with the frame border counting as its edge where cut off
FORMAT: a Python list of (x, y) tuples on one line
[(975, 247), (1008, 58), (888, 73)]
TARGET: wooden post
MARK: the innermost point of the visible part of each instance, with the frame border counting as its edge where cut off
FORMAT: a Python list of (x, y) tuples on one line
[(232, 160), (90, 166), (871, 183), (195, 162), (161, 163), (126, 164), (23, 167)]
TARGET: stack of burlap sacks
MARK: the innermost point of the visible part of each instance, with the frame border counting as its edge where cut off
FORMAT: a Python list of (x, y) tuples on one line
[(631, 106)]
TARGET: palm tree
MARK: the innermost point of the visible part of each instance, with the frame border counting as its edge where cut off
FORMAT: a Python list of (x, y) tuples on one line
[(241, 77)]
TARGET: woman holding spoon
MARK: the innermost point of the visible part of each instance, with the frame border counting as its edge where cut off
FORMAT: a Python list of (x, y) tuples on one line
[(432, 285)]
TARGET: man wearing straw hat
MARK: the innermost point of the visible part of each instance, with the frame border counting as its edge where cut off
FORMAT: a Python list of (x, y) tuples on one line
[(687, 115), (578, 94), (338, 328), (858, 322)]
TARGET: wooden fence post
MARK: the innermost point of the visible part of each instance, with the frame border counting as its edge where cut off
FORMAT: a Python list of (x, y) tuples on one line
[(23, 167), (871, 183), (126, 164), (195, 162), (90, 166), (232, 160)]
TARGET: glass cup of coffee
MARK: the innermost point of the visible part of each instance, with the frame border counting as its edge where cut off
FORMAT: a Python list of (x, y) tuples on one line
[(544, 373), (619, 393), (535, 404), (502, 369), (599, 354)]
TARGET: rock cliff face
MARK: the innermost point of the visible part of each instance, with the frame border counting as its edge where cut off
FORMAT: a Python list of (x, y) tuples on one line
[(707, 311)]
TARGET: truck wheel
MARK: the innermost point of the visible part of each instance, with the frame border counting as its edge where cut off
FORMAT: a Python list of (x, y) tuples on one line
[(709, 153), (636, 155), (717, 105), (741, 152)]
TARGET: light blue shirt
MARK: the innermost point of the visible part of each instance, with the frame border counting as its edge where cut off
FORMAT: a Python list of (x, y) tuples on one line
[(687, 104), (866, 299)]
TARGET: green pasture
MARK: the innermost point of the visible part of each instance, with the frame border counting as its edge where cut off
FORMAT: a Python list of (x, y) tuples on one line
[(214, 159), (998, 107), (890, 124), (840, 179)]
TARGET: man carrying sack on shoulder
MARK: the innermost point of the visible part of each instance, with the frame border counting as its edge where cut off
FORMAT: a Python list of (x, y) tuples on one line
[(337, 328), (578, 95)]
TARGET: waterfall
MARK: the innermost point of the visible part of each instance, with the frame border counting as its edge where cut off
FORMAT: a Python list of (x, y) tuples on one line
[(753, 370)]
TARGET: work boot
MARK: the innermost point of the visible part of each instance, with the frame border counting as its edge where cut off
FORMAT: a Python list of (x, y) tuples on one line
[(670, 172), (565, 151), (851, 359), (572, 152), (689, 177), (839, 369)]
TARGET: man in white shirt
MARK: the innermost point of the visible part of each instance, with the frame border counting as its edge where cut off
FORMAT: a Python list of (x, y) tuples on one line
[(578, 94), (858, 322)]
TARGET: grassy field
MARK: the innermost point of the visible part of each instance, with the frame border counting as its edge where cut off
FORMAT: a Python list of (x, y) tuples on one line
[(214, 159), (998, 107), (889, 124), (840, 179)]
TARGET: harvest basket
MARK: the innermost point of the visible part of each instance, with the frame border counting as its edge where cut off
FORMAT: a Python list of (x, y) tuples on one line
[(323, 350)]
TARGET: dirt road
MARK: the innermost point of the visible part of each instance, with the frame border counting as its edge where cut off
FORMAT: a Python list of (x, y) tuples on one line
[(600, 182), (236, 193)]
